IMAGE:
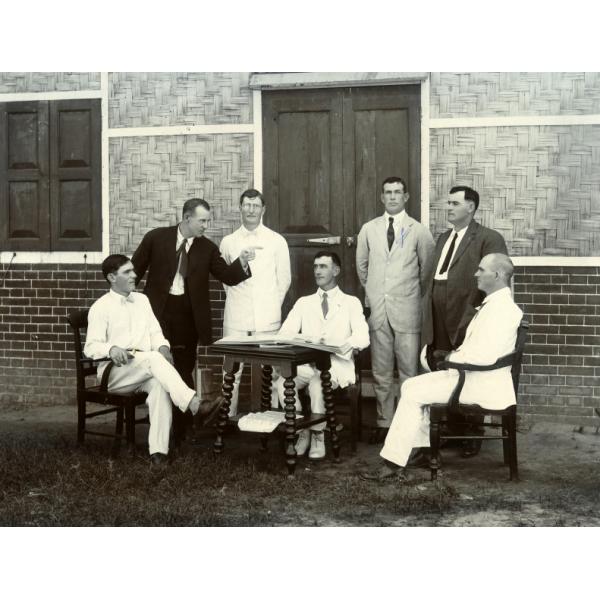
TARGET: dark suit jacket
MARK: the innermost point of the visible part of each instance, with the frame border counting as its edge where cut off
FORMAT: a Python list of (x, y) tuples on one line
[(157, 255), (463, 294)]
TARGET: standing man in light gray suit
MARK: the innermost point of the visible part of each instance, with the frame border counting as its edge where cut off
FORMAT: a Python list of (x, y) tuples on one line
[(394, 259)]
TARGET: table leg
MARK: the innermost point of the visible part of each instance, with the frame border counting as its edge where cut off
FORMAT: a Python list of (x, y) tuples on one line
[(230, 370), (330, 412), (290, 424), (265, 401)]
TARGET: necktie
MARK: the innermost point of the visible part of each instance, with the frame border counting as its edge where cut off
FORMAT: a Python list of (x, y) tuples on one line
[(446, 262), (390, 233), (324, 305), (183, 259)]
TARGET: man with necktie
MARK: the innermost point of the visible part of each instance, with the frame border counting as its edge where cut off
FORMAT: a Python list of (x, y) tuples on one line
[(179, 260), (452, 291), (335, 319), (394, 257)]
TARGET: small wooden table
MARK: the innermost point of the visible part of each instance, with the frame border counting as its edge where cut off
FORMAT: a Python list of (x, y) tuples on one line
[(286, 359)]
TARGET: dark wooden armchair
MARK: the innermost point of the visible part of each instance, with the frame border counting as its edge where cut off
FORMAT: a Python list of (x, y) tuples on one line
[(123, 405), (440, 413)]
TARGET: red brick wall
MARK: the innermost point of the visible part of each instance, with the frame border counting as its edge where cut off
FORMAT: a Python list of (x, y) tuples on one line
[(560, 380), (561, 375)]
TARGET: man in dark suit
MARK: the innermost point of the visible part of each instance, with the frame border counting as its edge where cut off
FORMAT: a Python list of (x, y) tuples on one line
[(179, 260), (453, 294)]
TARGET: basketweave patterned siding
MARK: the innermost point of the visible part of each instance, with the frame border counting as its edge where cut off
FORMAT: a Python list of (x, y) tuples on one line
[(13, 83), (163, 99), (455, 95), (539, 186), (151, 178)]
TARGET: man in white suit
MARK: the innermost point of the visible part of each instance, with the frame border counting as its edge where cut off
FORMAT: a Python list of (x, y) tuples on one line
[(491, 334), (394, 259), (335, 319)]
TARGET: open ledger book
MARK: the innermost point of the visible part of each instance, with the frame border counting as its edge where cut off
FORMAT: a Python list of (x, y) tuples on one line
[(275, 340)]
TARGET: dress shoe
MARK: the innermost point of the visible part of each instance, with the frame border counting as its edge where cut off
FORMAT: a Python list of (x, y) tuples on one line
[(317, 446), (384, 473), (470, 448), (194, 404), (303, 442), (377, 435), (158, 458), (209, 410), (420, 459)]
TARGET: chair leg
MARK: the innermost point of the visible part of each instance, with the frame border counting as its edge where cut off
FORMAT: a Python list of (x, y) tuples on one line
[(354, 398), (80, 419), (130, 426), (118, 431), (505, 441), (434, 442), (514, 469)]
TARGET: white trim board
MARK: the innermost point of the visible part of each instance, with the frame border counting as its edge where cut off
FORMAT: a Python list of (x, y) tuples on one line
[(105, 170), (40, 96), (35, 258), (527, 121), (325, 80), (425, 152), (122, 132), (258, 139), (556, 261)]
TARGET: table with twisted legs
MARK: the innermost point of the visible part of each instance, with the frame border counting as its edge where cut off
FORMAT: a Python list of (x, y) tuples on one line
[(286, 359)]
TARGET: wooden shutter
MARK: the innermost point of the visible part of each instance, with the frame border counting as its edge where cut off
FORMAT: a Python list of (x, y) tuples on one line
[(24, 198), (75, 175)]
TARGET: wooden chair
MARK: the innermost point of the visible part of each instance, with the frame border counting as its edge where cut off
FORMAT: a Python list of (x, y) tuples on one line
[(440, 413), (122, 404)]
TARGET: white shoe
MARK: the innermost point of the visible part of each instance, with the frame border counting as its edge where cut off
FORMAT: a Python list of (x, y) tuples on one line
[(317, 446), (303, 442)]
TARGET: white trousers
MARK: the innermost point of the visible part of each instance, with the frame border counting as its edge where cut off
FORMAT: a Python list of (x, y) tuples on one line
[(233, 407), (310, 376), (386, 343), (150, 372), (410, 425)]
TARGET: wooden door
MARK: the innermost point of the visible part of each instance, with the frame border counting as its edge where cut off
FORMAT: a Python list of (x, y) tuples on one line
[(325, 155)]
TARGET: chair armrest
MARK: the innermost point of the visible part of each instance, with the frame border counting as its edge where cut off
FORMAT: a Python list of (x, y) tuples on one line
[(503, 361)]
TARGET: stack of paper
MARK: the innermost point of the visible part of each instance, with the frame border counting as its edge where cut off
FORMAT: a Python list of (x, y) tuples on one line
[(264, 422)]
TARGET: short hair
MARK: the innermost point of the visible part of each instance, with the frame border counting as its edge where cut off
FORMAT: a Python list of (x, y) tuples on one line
[(395, 179), (251, 194), (335, 259), (189, 208), (503, 265), (112, 263), (470, 194)]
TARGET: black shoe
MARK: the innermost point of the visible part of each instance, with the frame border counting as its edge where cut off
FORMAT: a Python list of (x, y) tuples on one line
[(377, 435), (159, 459), (384, 473), (420, 459), (209, 410), (471, 448)]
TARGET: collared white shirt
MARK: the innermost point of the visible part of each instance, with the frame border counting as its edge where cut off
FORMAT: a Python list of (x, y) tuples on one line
[(255, 304), (398, 223), (129, 323), (461, 235), (178, 285)]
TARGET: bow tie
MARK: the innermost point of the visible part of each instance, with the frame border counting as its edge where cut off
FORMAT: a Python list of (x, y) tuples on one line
[(127, 299)]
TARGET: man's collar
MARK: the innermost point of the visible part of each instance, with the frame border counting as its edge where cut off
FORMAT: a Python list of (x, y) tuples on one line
[(330, 293), (120, 297), (245, 231), (398, 216), (498, 294)]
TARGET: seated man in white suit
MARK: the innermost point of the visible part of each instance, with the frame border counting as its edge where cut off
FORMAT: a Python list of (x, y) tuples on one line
[(491, 334), (122, 327), (336, 319)]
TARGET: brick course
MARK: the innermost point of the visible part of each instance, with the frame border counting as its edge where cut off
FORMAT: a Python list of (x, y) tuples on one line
[(561, 370)]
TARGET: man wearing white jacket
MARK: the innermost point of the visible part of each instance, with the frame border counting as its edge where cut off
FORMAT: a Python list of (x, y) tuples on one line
[(491, 334), (254, 306), (336, 319)]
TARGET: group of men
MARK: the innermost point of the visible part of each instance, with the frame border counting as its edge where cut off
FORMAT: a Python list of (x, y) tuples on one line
[(419, 294)]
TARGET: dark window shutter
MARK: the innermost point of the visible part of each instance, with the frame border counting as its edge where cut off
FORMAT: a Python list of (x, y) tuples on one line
[(24, 165), (75, 175)]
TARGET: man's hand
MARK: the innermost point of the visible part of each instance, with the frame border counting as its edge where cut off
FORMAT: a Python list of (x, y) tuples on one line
[(248, 254), (119, 356), (166, 352)]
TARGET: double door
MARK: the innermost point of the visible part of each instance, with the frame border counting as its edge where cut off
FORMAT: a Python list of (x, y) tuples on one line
[(326, 152)]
